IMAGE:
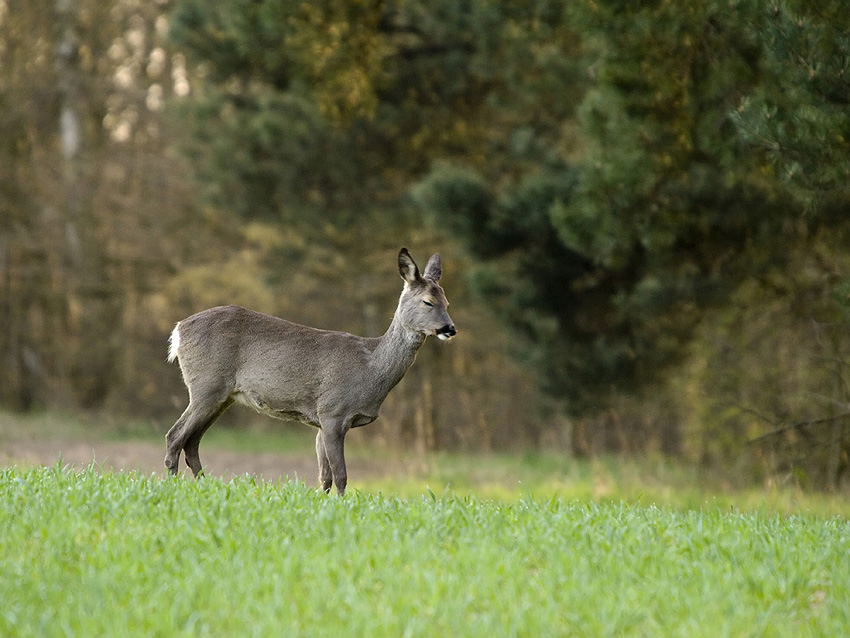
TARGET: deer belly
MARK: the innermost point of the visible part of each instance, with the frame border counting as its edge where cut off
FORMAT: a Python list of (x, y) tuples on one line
[(362, 419), (285, 412)]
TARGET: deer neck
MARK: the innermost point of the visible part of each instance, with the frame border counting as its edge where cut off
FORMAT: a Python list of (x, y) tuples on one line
[(396, 351)]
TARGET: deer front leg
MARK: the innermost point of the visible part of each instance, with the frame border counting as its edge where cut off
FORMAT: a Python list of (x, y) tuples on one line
[(333, 439), (325, 475)]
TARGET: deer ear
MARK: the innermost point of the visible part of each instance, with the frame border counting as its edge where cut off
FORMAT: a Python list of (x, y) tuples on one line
[(407, 267), (434, 269)]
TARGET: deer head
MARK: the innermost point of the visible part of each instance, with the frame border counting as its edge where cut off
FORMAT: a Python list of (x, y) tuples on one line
[(423, 306)]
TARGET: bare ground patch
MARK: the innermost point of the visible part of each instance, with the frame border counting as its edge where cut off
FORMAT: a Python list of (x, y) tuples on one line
[(148, 458)]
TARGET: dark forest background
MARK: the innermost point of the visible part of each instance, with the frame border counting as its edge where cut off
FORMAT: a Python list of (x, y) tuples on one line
[(642, 208)]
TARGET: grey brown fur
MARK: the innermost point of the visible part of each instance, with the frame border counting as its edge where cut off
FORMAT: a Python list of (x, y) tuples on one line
[(334, 381)]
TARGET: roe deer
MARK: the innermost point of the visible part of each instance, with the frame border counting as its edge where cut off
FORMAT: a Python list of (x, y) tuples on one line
[(331, 380)]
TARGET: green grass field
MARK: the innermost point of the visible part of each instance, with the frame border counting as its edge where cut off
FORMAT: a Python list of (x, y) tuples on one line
[(500, 476), (99, 554)]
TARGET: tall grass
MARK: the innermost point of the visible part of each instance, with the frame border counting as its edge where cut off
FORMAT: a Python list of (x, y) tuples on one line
[(98, 554)]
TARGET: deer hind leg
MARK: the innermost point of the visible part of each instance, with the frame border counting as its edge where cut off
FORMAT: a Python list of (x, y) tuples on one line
[(325, 475), (190, 449), (186, 433)]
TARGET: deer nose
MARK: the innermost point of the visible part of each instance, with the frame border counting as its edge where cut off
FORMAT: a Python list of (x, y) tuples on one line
[(446, 332)]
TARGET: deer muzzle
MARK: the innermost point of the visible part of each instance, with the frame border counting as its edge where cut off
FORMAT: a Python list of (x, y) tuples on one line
[(446, 332)]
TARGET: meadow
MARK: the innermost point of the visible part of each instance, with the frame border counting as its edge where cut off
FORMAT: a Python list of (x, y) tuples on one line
[(97, 553)]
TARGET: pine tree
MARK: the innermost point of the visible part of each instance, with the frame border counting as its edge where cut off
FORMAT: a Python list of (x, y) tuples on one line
[(798, 118), (666, 209)]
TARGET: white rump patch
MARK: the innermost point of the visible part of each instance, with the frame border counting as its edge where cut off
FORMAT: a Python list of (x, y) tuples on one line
[(174, 343)]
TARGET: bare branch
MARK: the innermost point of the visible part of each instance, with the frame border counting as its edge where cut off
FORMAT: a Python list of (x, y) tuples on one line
[(757, 414), (798, 426)]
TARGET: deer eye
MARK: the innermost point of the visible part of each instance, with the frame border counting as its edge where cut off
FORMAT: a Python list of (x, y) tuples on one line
[(428, 303)]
